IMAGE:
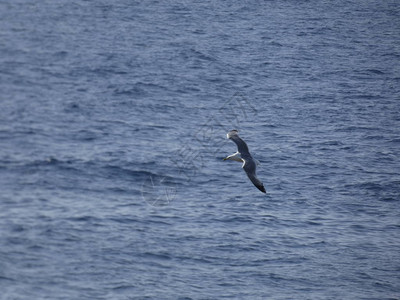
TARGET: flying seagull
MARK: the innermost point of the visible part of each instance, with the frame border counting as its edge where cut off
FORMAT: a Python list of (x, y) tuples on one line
[(243, 155)]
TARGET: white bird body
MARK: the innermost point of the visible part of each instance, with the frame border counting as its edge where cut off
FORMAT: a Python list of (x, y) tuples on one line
[(235, 157), (243, 155)]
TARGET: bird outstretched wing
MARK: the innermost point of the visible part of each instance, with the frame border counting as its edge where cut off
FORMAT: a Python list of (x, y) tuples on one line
[(249, 166), (242, 146)]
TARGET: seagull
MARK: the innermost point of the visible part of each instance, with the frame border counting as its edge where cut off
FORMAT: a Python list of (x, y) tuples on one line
[(243, 155)]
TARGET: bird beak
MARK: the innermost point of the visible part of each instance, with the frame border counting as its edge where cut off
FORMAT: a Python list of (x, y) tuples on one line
[(225, 158)]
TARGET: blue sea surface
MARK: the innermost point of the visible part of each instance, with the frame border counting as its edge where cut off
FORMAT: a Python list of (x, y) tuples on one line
[(113, 122)]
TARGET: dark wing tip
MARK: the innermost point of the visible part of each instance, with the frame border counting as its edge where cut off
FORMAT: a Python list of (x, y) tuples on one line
[(231, 133), (260, 186), (262, 189)]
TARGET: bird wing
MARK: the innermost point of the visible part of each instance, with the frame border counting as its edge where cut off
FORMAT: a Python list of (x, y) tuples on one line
[(249, 166), (242, 146)]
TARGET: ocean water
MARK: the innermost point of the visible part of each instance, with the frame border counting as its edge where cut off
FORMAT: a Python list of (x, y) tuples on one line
[(113, 122)]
